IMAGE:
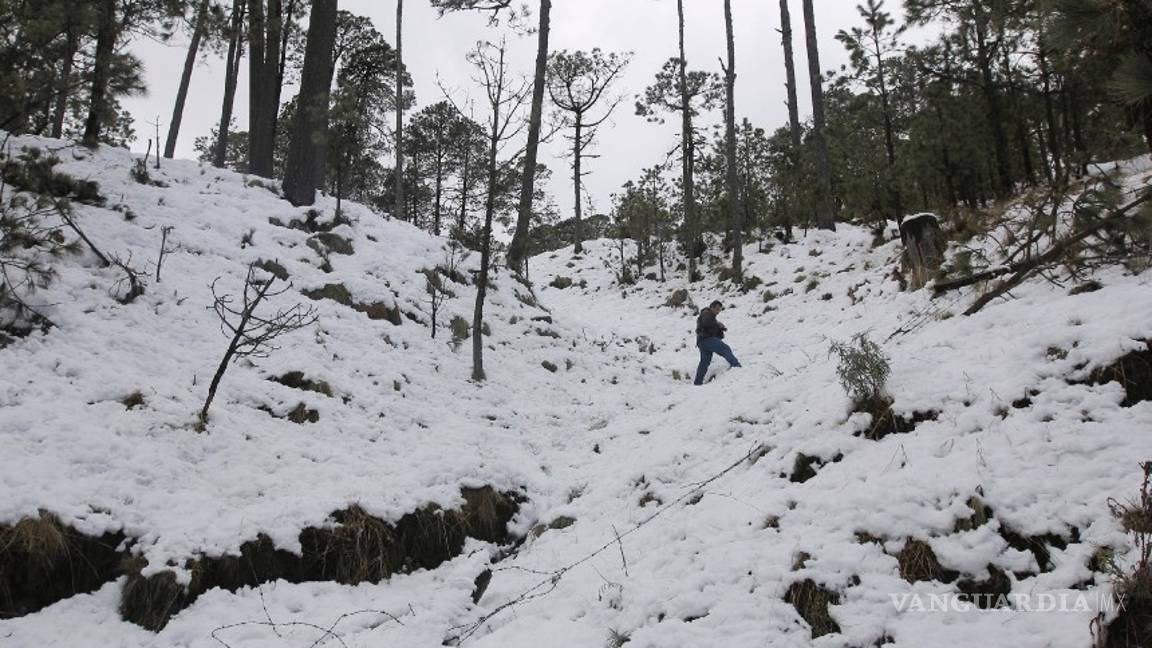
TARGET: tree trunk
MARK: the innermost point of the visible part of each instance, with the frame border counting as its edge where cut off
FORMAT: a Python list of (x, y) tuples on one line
[(825, 211), (465, 189), (264, 31), (735, 220), (311, 127), (65, 82), (995, 110), (486, 246), (1049, 109), (105, 49), (186, 80), (793, 103), (576, 229), (687, 154), (436, 210), (231, 76), (517, 250), (398, 176), (895, 200), (285, 33)]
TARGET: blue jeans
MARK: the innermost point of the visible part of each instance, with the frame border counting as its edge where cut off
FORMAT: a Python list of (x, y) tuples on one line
[(707, 347)]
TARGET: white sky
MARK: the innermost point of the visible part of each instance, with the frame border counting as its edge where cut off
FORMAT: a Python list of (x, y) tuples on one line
[(436, 46)]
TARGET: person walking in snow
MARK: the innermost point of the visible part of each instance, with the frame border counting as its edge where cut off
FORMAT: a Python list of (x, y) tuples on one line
[(709, 339)]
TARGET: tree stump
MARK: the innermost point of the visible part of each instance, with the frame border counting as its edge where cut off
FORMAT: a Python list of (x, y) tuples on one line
[(923, 248)]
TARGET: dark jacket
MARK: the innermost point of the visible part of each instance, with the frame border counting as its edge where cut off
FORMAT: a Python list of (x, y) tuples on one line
[(707, 326)]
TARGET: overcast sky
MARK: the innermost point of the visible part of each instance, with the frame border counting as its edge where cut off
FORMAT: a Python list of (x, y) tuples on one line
[(436, 46)]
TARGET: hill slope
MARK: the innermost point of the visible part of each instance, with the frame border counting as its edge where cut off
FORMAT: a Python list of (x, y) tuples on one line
[(729, 514)]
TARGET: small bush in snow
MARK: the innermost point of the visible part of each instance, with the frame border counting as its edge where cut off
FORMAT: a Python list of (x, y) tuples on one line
[(863, 367), (139, 171), (1132, 582), (461, 330)]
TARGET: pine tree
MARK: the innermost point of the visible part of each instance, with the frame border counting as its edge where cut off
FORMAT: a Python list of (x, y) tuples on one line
[(577, 83)]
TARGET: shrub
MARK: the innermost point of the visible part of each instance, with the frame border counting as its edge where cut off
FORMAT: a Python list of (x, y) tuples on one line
[(863, 368), (561, 282), (139, 171), (461, 329)]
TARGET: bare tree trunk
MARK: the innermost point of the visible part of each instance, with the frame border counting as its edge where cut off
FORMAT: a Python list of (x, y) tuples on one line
[(311, 127), (732, 180), (105, 50), (825, 210), (186, 80), (517, 250), (398, 175)]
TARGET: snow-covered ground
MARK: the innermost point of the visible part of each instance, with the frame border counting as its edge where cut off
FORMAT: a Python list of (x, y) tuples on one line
[(685, 527)]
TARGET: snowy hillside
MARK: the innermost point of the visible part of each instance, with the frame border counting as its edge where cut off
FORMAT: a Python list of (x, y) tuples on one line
[(755, 510)]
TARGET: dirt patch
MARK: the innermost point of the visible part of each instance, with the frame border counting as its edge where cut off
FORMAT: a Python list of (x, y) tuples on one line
[(296, 380), (806, 467), (811, 602), (42, 562), (885, 421), (1038, 545), (1133, 372), (355, 548), (918, 563), (339, 294)]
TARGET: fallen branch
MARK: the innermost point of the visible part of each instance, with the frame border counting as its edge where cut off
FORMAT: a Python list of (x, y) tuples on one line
[(1026, 269)]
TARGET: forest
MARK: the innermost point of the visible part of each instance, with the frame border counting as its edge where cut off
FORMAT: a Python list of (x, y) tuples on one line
[(1009, 96)]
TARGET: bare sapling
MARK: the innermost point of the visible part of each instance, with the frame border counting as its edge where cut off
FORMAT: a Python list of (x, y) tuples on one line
[(252, 335)]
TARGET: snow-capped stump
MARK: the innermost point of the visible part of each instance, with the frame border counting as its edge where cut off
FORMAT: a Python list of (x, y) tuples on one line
[(923, 247), (1134, 373), (356, 548), (43, 561), (811, 602), (297, 380)]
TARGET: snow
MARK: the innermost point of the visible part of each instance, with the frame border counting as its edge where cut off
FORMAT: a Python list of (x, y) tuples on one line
[(610, 441)]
